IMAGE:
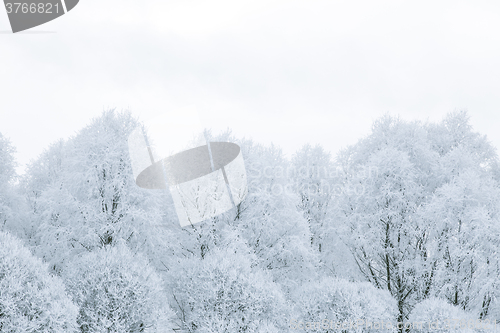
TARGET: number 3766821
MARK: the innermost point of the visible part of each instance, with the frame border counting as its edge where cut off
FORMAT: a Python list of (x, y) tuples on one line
[(25, 8)]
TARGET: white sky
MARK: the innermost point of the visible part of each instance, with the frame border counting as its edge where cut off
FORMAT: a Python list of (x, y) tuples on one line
[(287, 72)]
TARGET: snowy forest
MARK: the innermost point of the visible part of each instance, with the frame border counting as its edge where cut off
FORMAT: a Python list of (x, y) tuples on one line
[(400, 228)]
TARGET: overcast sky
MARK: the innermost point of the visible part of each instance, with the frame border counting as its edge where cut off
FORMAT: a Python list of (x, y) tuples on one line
[(288, 72)]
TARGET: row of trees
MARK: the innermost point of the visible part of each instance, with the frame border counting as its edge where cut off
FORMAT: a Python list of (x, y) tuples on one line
[(406, 217)]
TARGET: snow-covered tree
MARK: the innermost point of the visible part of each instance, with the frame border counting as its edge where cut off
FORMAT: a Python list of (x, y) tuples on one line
[(312, 172), (315, 180), (10, 201), (267, 220), (333, 305), (226, 292), (464, 212), (436, 315), (419, 183), (117, 291), (7, 168), (31, 300), (83, 195), (380, 221)]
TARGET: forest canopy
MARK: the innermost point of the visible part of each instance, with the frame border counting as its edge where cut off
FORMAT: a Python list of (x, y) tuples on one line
[(402, 226)]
